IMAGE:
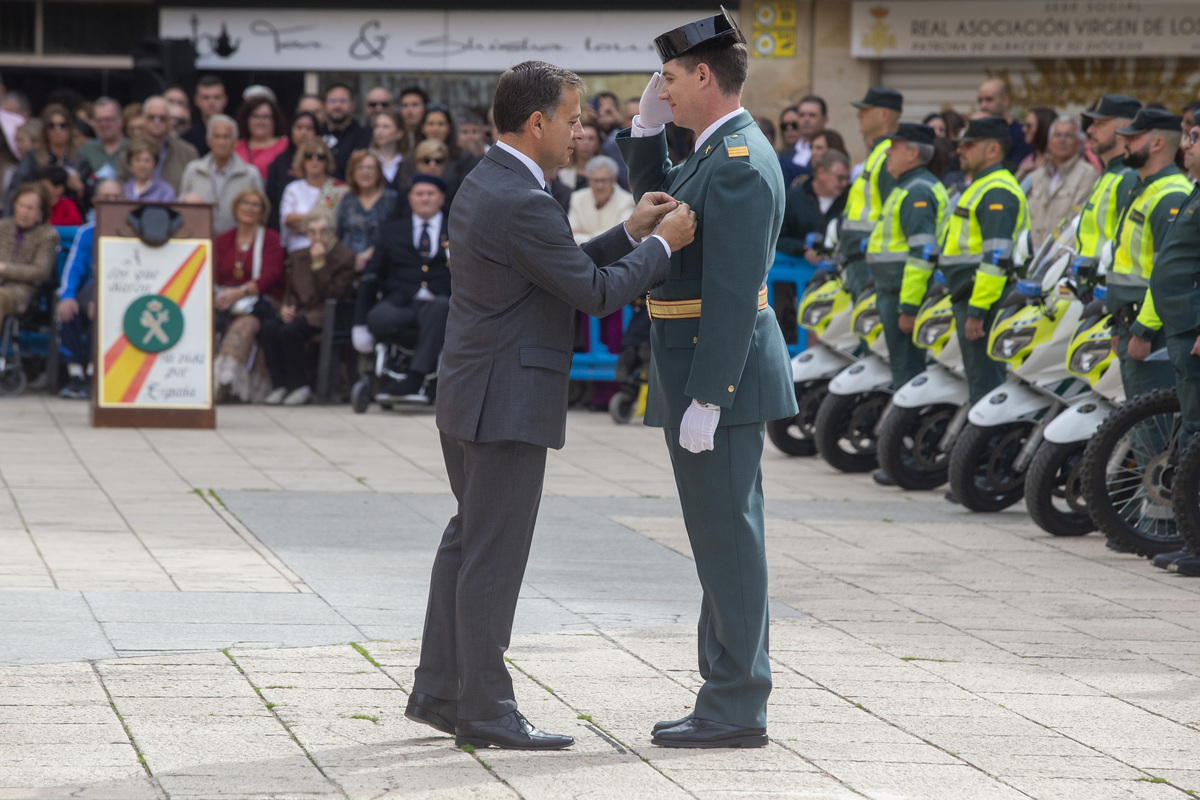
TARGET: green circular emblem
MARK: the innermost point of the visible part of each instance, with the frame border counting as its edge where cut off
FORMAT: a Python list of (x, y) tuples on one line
[(153, 323)]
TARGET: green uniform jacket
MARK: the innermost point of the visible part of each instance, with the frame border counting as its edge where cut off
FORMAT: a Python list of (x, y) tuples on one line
[(1175, 281), (733, 355)]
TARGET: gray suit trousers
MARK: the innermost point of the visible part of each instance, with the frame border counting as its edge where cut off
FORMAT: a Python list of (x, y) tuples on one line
[(477, 574)]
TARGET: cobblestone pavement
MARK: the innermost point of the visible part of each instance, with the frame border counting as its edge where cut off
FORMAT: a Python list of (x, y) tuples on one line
[(232, 613)]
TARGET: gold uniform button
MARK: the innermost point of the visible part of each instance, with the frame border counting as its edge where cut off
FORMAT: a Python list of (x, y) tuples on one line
[(424, 268), (695, 339), (425, 285), (731, 388)]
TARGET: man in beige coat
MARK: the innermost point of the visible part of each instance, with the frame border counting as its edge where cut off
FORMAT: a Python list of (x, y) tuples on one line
[(1058, 188)]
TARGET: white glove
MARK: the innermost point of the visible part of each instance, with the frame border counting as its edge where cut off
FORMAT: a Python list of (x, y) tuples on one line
[(364, 342), (653, 112), (698, 426)]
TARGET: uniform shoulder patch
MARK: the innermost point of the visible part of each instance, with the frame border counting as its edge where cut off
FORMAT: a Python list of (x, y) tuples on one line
[(921, 204), (996, 207), (736, 146)]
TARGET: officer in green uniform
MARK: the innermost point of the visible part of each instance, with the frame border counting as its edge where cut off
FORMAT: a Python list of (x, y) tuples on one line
[(1100, 214), (1151, 141), (717, 372), (1175, 286), (878, 116), (977, 246), (898, 248)]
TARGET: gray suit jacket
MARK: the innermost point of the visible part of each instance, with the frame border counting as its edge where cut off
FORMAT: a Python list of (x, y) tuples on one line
[(517, 277)]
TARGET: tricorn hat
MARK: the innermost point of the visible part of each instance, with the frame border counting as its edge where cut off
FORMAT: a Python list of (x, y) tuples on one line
[(1152, 119), (673, 44)]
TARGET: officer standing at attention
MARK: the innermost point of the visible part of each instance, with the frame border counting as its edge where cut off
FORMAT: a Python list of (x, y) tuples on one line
[(1151, 141), (977, 246), (1100, 214), (1175, 285), (878, 117), (719, 368)]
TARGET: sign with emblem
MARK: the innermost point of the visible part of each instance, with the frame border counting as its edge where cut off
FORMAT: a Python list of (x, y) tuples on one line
[(1024, 29), (153, 324), (774, 32)]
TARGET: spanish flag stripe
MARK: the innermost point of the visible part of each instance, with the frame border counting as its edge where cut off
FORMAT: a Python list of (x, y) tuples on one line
[(126, 367)]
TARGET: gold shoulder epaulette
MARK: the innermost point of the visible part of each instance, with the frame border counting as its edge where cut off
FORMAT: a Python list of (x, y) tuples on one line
[(736, 146)]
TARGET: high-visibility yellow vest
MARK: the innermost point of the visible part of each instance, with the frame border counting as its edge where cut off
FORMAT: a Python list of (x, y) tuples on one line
[(889, 242), (863, 203), (1100, 215), (963, 242), (1134, 255)]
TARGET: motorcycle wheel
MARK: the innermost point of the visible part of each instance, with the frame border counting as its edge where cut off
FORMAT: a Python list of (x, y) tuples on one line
[(982, 476), (1053, 489), (1187, 496), (908, 445), (794, 435), (845, 430), (1128, 474)]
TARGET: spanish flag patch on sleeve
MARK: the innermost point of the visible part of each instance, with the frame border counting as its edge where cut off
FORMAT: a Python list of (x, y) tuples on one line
[(1174, 211), (996, 207), (920, 204)]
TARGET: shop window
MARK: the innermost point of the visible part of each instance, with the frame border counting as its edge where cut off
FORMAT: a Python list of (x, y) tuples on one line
[(19, 28), (96, 28)]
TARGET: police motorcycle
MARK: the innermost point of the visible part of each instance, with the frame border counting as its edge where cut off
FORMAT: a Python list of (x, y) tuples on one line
[(926, 413), (826, 310), (990, 456), (857, 396), (1054, 482)]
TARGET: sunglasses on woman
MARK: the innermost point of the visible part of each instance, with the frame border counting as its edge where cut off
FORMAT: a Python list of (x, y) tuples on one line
[(433, 160)]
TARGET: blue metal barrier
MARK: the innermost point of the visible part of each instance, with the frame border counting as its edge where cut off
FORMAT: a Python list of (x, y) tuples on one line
[(43, 342), (598, 364)]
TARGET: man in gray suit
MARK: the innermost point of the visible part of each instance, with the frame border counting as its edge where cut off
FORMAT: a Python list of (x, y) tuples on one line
[(517, 277)]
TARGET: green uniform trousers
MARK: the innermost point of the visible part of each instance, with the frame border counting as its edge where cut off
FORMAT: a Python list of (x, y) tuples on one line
[(721, 494), (905, 358), (1143, 376), (1187, 383), (983, 373), (855, 276)]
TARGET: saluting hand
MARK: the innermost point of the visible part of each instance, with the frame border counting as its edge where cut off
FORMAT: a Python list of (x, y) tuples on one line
[(652, 110)]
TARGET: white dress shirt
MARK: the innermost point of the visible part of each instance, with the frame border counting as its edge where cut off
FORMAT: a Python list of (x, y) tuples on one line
[(435, 230), (637, 131)]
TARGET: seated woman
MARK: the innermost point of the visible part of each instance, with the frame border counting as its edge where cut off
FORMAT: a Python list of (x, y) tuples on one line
[(364, 210), (141, 156), (28, 248), (264, 133), (317, 188), (321, 271), (248, 275), (430, 157), (601, 204)]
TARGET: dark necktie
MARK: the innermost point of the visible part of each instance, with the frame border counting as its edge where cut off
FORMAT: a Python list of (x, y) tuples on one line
[(423, 244)]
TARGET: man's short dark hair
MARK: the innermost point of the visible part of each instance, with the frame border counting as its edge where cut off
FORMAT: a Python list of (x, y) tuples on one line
[(609, 95), (728, 62), (528, 87), (417, 90), (812, 98), (333, 86), (209, 81)]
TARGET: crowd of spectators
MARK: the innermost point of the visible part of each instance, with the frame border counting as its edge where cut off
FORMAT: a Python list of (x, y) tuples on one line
[(302, 201)]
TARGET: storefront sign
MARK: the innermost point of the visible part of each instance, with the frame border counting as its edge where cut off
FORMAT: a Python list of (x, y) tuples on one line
[(154, 310), (421, 41), (1024, 29), (774, 33)]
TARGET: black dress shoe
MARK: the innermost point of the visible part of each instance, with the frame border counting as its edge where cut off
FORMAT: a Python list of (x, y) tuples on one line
[(670, 723), (708, 733), (1188, 565), (438, 714), (1164, 560), (510, 732), (882, 478)]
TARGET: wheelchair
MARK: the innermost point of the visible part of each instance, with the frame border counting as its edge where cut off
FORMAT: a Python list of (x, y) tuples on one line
[(26, 336), (390, 361)]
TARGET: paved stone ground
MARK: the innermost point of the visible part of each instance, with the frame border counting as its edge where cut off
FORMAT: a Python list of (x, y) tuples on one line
[(232, 614)]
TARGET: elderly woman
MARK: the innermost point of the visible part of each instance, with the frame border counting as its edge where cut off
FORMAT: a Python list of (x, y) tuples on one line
[(248, 275), (1062, 183), (264, 133), (602, 204), (28, 248), (367, 206), (141, 156), (321, 271), (314, 161)]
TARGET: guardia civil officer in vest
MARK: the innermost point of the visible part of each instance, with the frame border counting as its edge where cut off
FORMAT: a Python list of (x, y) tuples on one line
[(977, 246), (1100, 214), (719, 368), (1175, 286), (878, 116), (898, 248), (1151, 141)]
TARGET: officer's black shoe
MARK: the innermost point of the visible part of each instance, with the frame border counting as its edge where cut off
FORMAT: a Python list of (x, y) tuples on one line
[(510, 732), (882, 479), (438, 714), (1117, 547), (670, 723), (1164, 560), (1189, 565), (706, 733)]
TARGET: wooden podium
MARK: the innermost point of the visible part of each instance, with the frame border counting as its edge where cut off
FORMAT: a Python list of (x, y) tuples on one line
[(153, 329)]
